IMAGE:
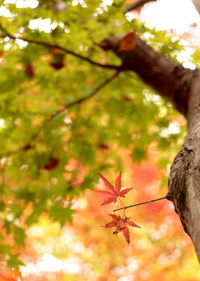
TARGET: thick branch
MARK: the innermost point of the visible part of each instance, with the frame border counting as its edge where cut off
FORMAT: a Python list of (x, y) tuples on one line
[(169, 78), (56, 46), (137, 4)]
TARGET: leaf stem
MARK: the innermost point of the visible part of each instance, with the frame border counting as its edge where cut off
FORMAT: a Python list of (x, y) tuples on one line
[(142, 203), (122, 207)]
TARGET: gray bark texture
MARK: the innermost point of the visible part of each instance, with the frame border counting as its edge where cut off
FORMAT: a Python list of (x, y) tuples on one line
[(181, 87)]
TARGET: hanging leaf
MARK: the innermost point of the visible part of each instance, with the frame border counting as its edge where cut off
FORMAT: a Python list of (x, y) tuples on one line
[(121, 225), (114, 193)]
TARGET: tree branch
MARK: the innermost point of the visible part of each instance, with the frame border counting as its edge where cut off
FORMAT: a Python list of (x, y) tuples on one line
[(67, 106), (56, 46), (142, 203), (169, 78), (136, 5), (92, 94)]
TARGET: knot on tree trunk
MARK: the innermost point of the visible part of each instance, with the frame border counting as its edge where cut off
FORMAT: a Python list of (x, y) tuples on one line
[(178, 183)]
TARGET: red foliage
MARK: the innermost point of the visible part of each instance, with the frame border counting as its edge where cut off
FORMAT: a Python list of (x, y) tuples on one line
[(144, 174), (52, 163), (57, 65), (58, 61), (29, 70), (115, 192), (121, 224), (28, 147), (1, 53)]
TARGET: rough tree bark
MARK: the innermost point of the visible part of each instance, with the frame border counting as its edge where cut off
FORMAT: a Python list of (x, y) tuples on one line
[(181, 87)]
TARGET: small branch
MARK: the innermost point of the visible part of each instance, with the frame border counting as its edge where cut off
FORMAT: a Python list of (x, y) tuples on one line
[(136, 5), (81, 100), (142, 203), (67, 106), (96, 90), (55, 46)]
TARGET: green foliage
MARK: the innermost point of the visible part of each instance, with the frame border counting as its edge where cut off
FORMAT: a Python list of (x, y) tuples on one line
[(49, 160)]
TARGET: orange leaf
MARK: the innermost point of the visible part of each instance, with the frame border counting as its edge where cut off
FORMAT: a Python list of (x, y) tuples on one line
[(56, 51), (128, 42)]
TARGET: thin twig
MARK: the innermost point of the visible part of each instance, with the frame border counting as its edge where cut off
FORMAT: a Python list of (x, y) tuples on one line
[(67, 106), (142, 203), (92, 94), (136, 5), (56, 46)]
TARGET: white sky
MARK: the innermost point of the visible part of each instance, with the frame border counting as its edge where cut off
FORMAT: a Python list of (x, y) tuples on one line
[(179, 16), (170, 14), (164, 14)]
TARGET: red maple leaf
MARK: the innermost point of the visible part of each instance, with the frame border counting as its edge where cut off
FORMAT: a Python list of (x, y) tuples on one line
[(121, 225), (114, 191)]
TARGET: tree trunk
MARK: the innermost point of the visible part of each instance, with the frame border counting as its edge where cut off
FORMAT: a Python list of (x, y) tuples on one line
[(184, 181), (181, 87)]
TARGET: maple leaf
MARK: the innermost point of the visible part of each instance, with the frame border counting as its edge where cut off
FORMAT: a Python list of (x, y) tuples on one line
[(121, 225), (114, 191), (128, 43)]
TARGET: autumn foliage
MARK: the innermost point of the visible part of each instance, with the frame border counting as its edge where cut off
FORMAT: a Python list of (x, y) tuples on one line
[(115, 191), (120, 223)]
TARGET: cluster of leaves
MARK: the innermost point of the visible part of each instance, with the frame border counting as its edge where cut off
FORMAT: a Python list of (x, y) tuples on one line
[(121, 223), (48, 157)]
